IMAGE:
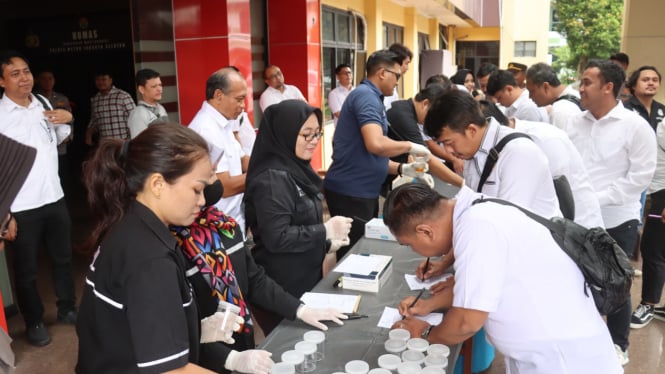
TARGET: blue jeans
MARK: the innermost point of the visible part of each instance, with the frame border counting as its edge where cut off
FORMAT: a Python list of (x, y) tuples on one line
[(619, 322)]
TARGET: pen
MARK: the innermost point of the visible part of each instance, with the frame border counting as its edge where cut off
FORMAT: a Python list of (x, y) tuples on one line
[(420, 294), (655, 216), (355, 316), (426, 267), (359, 219)]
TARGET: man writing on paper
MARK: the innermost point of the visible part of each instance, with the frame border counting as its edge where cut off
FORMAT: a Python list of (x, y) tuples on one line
[(531, 303)]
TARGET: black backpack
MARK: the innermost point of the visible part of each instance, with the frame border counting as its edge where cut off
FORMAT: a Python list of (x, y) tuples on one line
[(573, 99), (605, 266)]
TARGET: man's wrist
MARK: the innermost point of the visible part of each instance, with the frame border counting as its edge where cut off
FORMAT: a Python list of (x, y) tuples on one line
[(399, 169), (425, 333)]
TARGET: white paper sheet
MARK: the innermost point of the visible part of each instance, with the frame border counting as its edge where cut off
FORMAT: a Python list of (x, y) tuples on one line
[(343, 303), (358, 264), (416, 284), (391, 315)]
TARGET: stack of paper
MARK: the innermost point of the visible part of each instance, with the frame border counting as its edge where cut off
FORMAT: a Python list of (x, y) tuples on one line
[(365, 272)]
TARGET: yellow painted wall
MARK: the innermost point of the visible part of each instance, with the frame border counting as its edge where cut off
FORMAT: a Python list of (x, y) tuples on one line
[(477, 34), (644, 36), (524, 20)]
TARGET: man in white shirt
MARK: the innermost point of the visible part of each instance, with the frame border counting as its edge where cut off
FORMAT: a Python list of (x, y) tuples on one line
[(149, 110), (504, 89), (546, 89), (277, 91), (511, 278), (337, 96), (618, 148), (521, 174), (40, 216), (225, 101)]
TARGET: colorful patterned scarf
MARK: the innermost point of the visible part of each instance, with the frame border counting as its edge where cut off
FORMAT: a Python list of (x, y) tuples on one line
[(203, 244)]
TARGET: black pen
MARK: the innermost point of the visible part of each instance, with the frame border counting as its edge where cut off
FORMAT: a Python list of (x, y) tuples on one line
[(359, 219), (355, 316), (426, 267), (416, 300)]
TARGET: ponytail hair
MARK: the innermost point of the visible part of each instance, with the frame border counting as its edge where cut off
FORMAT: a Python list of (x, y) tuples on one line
[(118, 170)]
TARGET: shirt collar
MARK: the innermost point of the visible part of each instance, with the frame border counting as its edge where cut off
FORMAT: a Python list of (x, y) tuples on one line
[(618, 112), (156, 226), (216, 115), (10, 104), (372, 87), (464, 200)]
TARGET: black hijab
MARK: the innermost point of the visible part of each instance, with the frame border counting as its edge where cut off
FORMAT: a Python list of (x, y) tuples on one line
[(276, 143)]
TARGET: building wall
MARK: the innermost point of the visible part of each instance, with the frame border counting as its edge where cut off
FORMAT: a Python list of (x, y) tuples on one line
[(644, 36), (524, 20)]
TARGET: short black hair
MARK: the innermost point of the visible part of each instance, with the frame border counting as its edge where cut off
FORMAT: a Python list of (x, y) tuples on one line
[(455, 110), (380, 59), (499, 80), (635, 76), (460, 76), (219, 80), (431, 92), (609, 73), (408, 204), (7, 56), (102, 72), (144, 75), (540, 73), (268, 67), (339, 68), (486, 69), (401, 51), (490, 109), (621, 57), (439, 79)]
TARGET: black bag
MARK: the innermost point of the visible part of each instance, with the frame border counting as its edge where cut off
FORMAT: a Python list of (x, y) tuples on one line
[(573, 99), (605, 266)]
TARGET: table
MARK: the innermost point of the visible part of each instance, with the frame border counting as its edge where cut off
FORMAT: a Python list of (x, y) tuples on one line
[(359, 339)]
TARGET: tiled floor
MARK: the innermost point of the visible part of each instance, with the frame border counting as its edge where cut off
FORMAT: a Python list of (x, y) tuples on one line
[(646, 350)]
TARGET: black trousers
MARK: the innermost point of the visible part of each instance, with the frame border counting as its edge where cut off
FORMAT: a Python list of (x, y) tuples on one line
[(361, 210), (48, 226), (653, 251)]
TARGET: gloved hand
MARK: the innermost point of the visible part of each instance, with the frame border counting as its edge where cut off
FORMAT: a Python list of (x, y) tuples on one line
[(338, 227), (427, 179), (336, 244), (212, 329), (420, 150), (409, 170), (253, 361), (312, 316)]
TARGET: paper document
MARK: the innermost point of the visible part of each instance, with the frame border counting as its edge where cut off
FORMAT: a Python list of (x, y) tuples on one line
[(343, 303), (416, 284), (391, 315), (359, 264)]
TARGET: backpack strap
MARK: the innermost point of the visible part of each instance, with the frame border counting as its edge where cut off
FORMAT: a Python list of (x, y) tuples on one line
[(540, 219), (45, 103), (572, 98), (493, 156)]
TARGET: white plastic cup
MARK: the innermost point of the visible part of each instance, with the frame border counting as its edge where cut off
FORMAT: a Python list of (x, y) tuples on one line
[(394, 345), (295, 358), (307, 349), (283, 368), (417, 344), (432, 370), (438, 349), (231, 312), (438, 361), (413, 356), (399, 334), (408, 368), (356, 367), (379, 371), (389, 361), (318, 338), (419, 163)]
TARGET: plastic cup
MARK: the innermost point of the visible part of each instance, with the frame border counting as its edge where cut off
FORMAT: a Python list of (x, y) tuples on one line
[(307, 349), (413, 356), (231, 312), (408, 368), (318, 338), (389, 361), (399, 334), (417, 344), (282, 368), (438, 349), (437, 361), (420, 163), (379, 371), (356, 367), (394, 345), (432, 370), (295, 358)]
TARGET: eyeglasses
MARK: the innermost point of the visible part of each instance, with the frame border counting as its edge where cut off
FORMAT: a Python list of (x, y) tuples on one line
[(311, 136), (397, 75)]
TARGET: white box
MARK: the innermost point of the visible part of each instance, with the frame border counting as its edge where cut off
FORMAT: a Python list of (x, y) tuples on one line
[(373, 281), (376, 229)]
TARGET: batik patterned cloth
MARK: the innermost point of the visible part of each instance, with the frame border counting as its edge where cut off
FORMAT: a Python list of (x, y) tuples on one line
[(202, 244)]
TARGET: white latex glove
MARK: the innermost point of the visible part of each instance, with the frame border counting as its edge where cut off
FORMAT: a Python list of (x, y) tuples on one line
[(312, 316), (427, 179), (420, 150), (409, 170), (253, 361), (338, 227), (212, 329), (336, 244)]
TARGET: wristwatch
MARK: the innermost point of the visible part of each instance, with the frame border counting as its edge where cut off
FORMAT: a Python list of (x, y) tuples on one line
[(426, 332)]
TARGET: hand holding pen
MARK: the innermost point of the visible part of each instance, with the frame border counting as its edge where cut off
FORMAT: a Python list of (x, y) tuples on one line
[(408, 303)]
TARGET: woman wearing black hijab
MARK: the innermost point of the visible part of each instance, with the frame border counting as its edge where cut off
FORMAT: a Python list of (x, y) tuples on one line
[(283, 202)]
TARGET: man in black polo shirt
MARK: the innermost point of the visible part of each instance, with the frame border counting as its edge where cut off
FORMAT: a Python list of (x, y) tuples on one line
[(644, 84)]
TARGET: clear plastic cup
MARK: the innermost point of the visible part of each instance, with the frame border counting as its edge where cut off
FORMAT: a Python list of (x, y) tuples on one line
[(231, 312), (420, 163), (389, 361), (413, 356), (408, 368), (307, 349), (394, 345), (399, 334), (282, 368), (295, 358), (417, 344), (356, 367), (318, 338), (438, 349), (432, 370), (379, 371), (438, 361)]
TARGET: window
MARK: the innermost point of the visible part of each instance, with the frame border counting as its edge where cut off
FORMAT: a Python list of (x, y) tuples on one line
[(394, 34), (525, 49)]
